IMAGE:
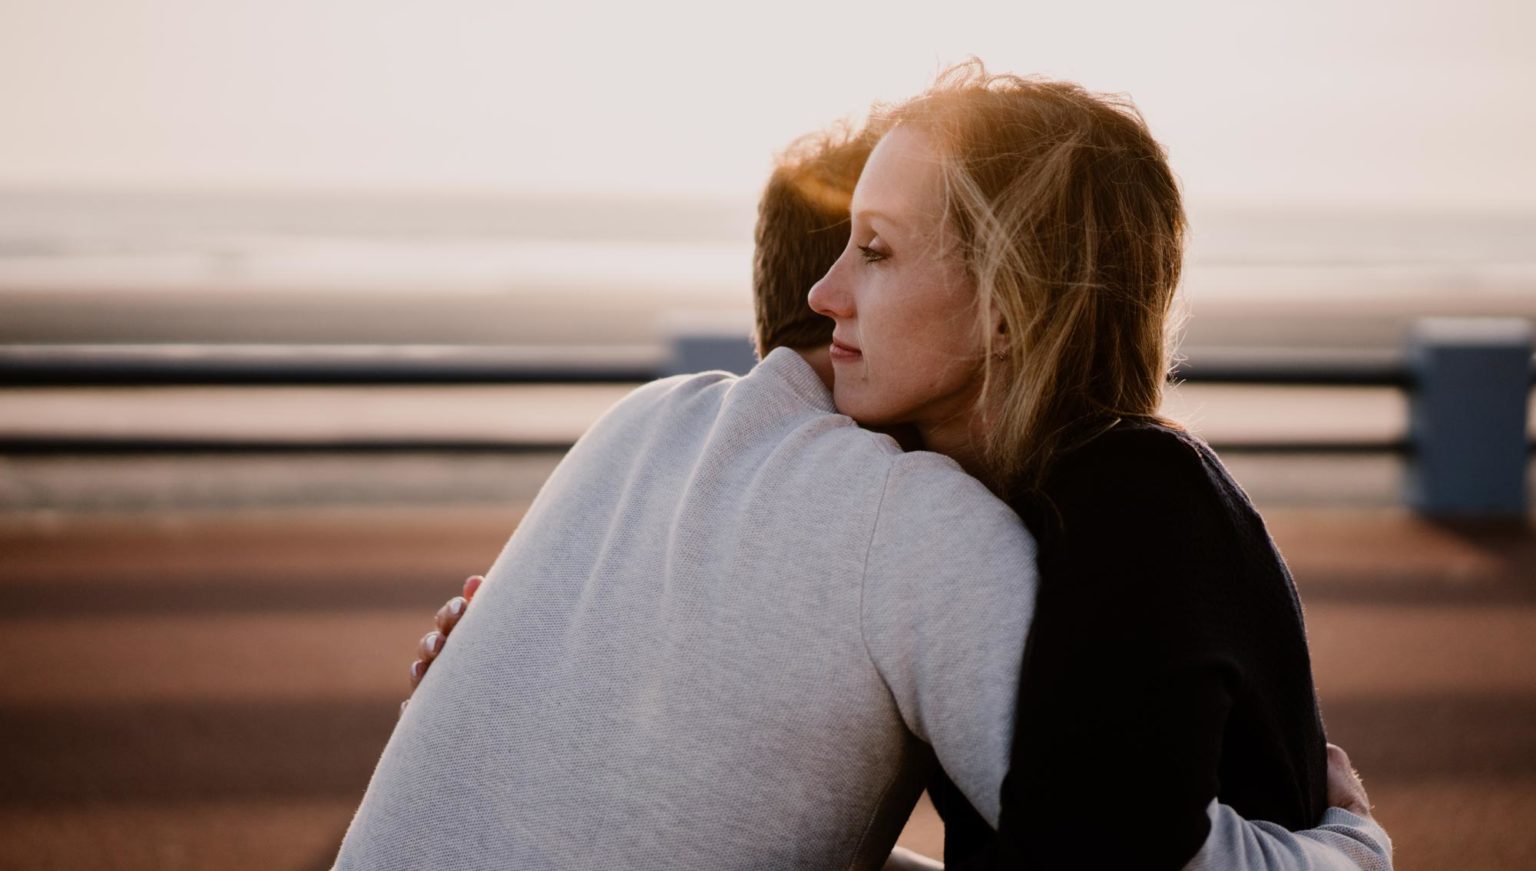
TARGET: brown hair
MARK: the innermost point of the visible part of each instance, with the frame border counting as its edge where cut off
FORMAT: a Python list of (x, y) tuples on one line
[(802, 228), (1072, 226)]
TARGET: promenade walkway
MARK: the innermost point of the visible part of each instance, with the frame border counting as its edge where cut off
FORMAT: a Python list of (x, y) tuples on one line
[(210, 689)]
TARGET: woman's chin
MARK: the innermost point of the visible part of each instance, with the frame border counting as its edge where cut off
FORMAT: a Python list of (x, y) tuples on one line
[(864, 412)]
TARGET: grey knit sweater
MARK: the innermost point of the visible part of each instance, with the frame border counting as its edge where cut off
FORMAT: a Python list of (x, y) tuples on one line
[(734, 631), (726, 635)]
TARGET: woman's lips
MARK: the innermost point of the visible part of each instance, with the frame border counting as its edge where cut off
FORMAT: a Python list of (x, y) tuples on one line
[(841, 353)]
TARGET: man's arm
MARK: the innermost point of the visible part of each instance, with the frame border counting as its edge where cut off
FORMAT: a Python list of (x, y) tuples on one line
[(1348, 837), (1342, 842)]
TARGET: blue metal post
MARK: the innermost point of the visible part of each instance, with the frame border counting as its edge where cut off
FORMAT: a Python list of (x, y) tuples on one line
[(1468, 408), (705, 350)]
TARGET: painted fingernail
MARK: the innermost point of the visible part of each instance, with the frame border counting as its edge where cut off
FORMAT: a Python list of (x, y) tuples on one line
[(456, 605), (402, 706), (434, 641), (416, 668)]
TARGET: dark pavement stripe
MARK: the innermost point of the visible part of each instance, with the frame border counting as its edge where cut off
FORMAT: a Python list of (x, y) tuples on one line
[(1427, 589), (236, 592), (1467, 737), (244, 590), (190, 752)]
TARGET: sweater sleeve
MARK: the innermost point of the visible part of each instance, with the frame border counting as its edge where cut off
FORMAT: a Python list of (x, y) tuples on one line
[(1124, 694), (948, 596), (1342, 842)]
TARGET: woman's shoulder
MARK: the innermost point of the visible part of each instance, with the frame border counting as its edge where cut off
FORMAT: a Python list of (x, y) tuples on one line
[(1149, 434), (1146, 501), (1141, 481), (1141, 454)]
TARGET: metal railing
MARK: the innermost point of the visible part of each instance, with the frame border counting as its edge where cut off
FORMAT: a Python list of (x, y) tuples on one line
[(1468, 384), (341, 365), (314, 365)]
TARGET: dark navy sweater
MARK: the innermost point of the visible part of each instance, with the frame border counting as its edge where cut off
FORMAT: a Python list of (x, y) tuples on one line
[(1167, 665)]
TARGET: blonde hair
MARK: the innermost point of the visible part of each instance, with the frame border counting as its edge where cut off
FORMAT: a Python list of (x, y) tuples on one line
[(1072, 227)]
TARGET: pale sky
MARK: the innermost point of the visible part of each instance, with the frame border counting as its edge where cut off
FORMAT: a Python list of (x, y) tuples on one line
[(1376, 103)]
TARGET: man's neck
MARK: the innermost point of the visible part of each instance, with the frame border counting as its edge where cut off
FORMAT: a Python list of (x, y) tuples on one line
[(820, 358)]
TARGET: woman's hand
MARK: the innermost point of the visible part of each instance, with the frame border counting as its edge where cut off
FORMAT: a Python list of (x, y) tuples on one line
[(432, 643), (1345, 789)]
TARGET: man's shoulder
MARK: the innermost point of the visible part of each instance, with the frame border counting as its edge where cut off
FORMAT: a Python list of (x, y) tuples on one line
[(671, 398), (937, 478), (755, 420), (781, 383), (678, 388), (930, 495)]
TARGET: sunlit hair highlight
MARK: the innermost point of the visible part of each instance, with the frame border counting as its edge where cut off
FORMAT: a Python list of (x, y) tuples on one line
[(802, 228), (1072, 226)]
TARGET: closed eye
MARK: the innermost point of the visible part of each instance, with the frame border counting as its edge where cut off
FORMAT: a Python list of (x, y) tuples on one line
[(871, 255)]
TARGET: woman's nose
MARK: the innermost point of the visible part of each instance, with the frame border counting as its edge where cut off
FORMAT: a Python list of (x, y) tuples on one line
[(827, 296)]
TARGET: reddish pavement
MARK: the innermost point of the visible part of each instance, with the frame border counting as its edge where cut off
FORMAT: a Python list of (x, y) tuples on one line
[(211, 691)]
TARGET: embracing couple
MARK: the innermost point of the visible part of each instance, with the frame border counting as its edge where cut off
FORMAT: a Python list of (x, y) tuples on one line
[(939, 537)]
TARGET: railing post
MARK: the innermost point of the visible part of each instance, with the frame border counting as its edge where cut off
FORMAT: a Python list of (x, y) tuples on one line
[(706, 350), (1467, 420)]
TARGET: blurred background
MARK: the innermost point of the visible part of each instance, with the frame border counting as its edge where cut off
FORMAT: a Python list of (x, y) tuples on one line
[(210, 590)]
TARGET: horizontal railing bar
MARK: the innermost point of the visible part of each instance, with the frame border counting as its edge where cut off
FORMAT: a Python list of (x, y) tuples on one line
[(109, 445), (1284, 366), (216, 365)]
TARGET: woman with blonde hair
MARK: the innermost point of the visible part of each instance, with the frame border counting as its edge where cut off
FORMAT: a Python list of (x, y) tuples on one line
[(1005, 297), (1007, 292)]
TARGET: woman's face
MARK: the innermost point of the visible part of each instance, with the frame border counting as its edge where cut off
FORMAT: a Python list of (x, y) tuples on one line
[(907, 348)]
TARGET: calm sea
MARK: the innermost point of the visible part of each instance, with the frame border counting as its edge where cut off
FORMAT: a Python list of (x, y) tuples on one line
[(134, 267)]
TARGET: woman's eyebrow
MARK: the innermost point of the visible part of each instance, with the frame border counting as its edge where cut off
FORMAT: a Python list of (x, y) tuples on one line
[(866, 214)]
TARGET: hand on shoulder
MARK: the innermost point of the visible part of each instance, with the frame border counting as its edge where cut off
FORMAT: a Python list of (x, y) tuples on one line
[(447, 618)]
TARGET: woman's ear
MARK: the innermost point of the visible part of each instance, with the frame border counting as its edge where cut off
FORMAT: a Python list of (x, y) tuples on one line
[(1001, 341)]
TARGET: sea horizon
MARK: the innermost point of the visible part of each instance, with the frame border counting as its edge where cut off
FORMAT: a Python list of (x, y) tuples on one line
[(162, 266)]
